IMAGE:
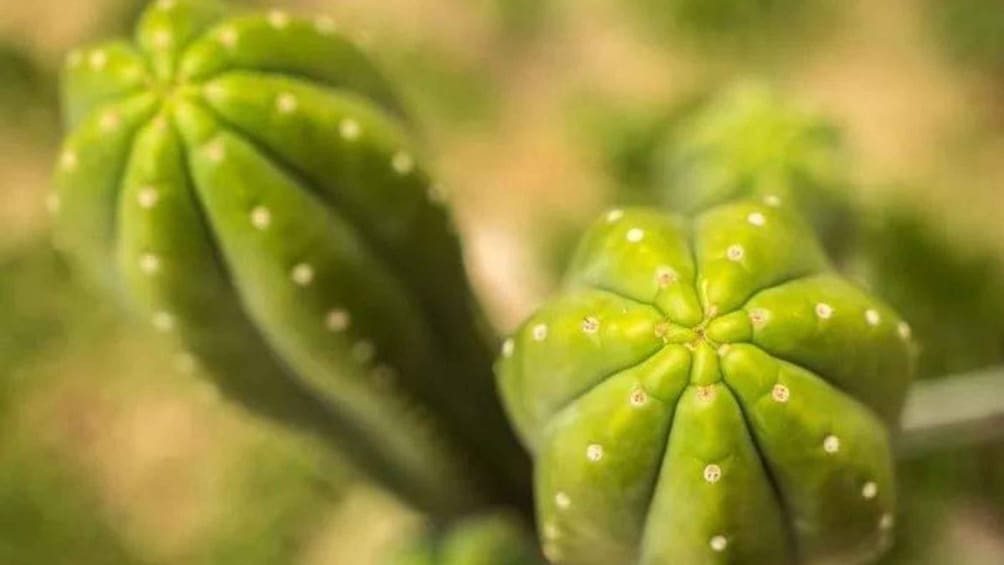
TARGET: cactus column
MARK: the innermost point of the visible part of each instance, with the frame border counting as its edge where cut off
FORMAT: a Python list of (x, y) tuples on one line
[(247, 184), (709, 392)]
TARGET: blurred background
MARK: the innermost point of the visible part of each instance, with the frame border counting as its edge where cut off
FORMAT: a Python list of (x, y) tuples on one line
[(537, 115)]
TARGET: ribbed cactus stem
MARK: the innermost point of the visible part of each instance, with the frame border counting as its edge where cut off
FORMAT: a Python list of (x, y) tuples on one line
[(249, 186)]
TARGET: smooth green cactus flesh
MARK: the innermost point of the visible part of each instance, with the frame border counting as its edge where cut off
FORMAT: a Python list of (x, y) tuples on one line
[(247, 184), (709, 392)]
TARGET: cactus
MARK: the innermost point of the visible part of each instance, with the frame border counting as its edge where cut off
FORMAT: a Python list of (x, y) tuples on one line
[(247, 184), (709, 392), (747, 141), (491, 539)]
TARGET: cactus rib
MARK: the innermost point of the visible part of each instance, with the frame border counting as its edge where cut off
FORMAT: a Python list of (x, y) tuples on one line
[(249, 186), (709, 392)]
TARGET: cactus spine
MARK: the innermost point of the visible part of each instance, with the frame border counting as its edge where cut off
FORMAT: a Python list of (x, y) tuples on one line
[(248, 184)]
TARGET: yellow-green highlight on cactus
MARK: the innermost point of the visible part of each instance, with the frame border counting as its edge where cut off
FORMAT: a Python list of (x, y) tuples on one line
[(709, 391), (247, 184)]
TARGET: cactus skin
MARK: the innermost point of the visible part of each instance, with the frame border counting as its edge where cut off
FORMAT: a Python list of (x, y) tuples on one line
[(247, 184), (750, 142), (709, 392), (493, 539)]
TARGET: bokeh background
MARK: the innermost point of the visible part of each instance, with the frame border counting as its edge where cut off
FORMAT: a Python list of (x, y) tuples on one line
[(537, 115)]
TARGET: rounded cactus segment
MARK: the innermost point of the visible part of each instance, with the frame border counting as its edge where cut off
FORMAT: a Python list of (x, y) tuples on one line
[(249, 186), (767, 437)]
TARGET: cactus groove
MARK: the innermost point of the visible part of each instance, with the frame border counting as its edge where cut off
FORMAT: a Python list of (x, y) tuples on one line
[(247, 185), (709, 392)]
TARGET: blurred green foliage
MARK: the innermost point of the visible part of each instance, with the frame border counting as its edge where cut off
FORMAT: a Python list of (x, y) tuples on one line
[(725, 25), (495, 539), (971, 30)]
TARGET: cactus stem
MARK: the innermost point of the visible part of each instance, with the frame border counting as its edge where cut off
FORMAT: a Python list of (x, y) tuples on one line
[(953, 411)]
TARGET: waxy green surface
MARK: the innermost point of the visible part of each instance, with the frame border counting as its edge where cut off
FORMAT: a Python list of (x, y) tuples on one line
[(247, 184), (709, 391)]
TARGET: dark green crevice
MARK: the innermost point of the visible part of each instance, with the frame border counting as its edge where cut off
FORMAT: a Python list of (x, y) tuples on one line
[(787, 514), (470, 439), (311, 413)]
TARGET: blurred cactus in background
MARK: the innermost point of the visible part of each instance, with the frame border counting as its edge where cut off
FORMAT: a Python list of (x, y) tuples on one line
[(971, 30), (250, 185)]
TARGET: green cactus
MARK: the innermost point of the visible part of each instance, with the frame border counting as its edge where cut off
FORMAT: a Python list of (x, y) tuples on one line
[(709, 392), (749, 142), (492, 539), (247, 184)]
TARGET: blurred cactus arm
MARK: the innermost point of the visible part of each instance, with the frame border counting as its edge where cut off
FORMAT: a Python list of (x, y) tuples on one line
[(247, 185), (709, 391)]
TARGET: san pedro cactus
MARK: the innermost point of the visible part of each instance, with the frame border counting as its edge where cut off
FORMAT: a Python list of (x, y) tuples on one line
[(492, 539), (709, 392), (750, 142), (247, 183)]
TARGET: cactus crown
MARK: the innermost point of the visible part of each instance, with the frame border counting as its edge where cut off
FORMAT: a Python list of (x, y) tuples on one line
[(708, 392), (249, 185)]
